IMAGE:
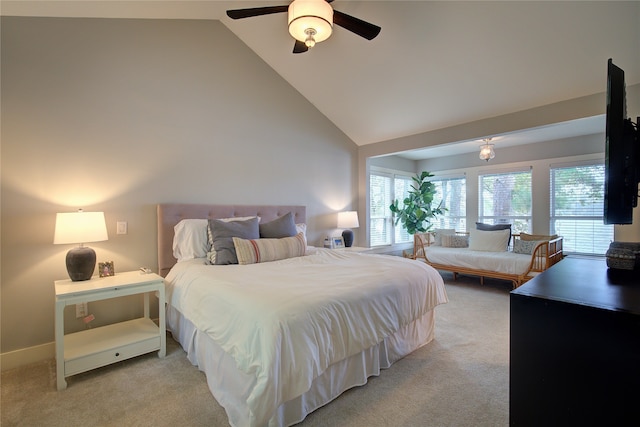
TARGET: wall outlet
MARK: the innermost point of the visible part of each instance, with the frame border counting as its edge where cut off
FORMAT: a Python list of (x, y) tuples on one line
[(121, 227), (82, 310)]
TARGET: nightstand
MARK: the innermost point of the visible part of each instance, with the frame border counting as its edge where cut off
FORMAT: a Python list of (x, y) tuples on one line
[(92, 348)]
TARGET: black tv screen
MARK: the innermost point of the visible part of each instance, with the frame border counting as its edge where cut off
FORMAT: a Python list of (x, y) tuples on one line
[(621, 153)]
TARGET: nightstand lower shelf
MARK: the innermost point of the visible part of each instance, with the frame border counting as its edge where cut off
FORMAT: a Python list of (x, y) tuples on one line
[(102, 346)]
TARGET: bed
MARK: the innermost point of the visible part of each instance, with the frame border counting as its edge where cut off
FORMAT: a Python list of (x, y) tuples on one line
[(279, 339)]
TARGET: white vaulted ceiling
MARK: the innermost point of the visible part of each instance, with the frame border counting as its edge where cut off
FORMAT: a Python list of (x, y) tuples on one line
[(434, 64)]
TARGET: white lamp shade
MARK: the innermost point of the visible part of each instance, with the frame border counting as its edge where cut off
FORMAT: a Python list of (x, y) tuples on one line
[(310, 14), (348, 219), (80, 227)]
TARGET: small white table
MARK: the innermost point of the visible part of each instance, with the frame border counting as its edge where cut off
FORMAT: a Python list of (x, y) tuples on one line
[(92, 348)]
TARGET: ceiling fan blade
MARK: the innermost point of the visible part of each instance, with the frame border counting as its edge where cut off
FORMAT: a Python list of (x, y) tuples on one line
[(355, 25), (300, 47), (256, 11)]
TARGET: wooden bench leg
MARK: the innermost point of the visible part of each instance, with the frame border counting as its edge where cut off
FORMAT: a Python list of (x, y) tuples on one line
[(482, 280)]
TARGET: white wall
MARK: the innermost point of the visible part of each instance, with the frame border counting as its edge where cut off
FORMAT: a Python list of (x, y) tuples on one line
[(118, 115), (395, 163)]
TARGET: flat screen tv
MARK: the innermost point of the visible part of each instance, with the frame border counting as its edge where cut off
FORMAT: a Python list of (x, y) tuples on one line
[(622, 154)]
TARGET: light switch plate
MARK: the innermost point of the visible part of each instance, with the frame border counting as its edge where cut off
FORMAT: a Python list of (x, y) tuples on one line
[(121, 227)]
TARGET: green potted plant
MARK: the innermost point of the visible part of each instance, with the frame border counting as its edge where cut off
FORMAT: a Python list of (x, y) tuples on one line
[(417, 211)]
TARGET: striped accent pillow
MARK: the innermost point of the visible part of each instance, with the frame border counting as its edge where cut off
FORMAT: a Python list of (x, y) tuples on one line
[(252, 251)]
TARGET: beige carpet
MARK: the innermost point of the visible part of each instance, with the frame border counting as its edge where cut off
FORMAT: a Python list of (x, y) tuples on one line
[(459, 379)]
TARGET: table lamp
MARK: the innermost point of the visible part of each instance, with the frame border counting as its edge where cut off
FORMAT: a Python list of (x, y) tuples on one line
[(348, 220), (80, 227)]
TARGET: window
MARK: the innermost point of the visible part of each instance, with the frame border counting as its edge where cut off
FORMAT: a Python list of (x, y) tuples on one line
[(577, 200), (505, 198), (379, 213), (402, 186), (384, 188), (452, 192)]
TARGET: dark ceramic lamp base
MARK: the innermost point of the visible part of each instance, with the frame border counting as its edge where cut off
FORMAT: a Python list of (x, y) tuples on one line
[(347, 235), (81, 262)]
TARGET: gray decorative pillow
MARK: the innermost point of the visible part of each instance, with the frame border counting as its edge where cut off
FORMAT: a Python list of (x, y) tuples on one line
[(222, 234), (283, 226), (211, 255), (455, 241), (525, 246)]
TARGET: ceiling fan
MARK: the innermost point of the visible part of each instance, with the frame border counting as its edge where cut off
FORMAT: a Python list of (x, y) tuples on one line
[(311, 21)]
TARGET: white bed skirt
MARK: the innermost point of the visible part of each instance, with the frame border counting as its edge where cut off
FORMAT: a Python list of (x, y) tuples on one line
[(231, 387)]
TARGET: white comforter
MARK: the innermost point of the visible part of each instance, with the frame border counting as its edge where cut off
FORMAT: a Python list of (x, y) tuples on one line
[(285, 322)]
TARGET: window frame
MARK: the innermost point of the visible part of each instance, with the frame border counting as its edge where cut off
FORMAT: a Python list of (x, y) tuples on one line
[(445, 221), (512, 219), (593, 219), (388, 218)]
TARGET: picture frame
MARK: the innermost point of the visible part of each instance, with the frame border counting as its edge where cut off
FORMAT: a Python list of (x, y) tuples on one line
[(105, 269), (338, 242)]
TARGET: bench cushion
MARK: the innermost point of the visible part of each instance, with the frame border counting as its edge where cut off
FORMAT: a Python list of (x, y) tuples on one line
[(499, 262)]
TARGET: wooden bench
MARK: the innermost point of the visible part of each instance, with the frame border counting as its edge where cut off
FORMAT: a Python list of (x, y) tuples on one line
[(545, 254)]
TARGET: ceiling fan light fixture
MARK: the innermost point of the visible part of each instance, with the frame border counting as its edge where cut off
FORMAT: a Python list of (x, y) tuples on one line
[(486, 150), (310, 21)]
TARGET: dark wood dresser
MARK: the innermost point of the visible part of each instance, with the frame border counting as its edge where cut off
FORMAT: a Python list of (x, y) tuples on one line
[(575, 347)]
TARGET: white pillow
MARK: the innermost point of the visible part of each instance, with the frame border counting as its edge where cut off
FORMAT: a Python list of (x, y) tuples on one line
[(190, 239), (252, 251), (489, 241), (302, 228)]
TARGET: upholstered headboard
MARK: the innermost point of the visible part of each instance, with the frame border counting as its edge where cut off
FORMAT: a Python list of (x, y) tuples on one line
[(170, 214)]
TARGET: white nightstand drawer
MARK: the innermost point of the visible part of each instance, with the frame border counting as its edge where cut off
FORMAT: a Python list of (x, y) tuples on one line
[(98, 347)]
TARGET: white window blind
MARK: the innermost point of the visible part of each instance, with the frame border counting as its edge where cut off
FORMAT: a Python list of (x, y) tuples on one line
[(577, 200), (402, 186), (384, 188), (452, 193), (379, 213), (505, 198)]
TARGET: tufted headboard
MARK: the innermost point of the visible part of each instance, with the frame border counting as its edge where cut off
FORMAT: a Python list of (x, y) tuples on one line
[(172, 213)]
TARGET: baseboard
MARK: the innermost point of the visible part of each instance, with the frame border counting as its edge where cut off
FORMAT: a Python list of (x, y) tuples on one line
[(25, 356)]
